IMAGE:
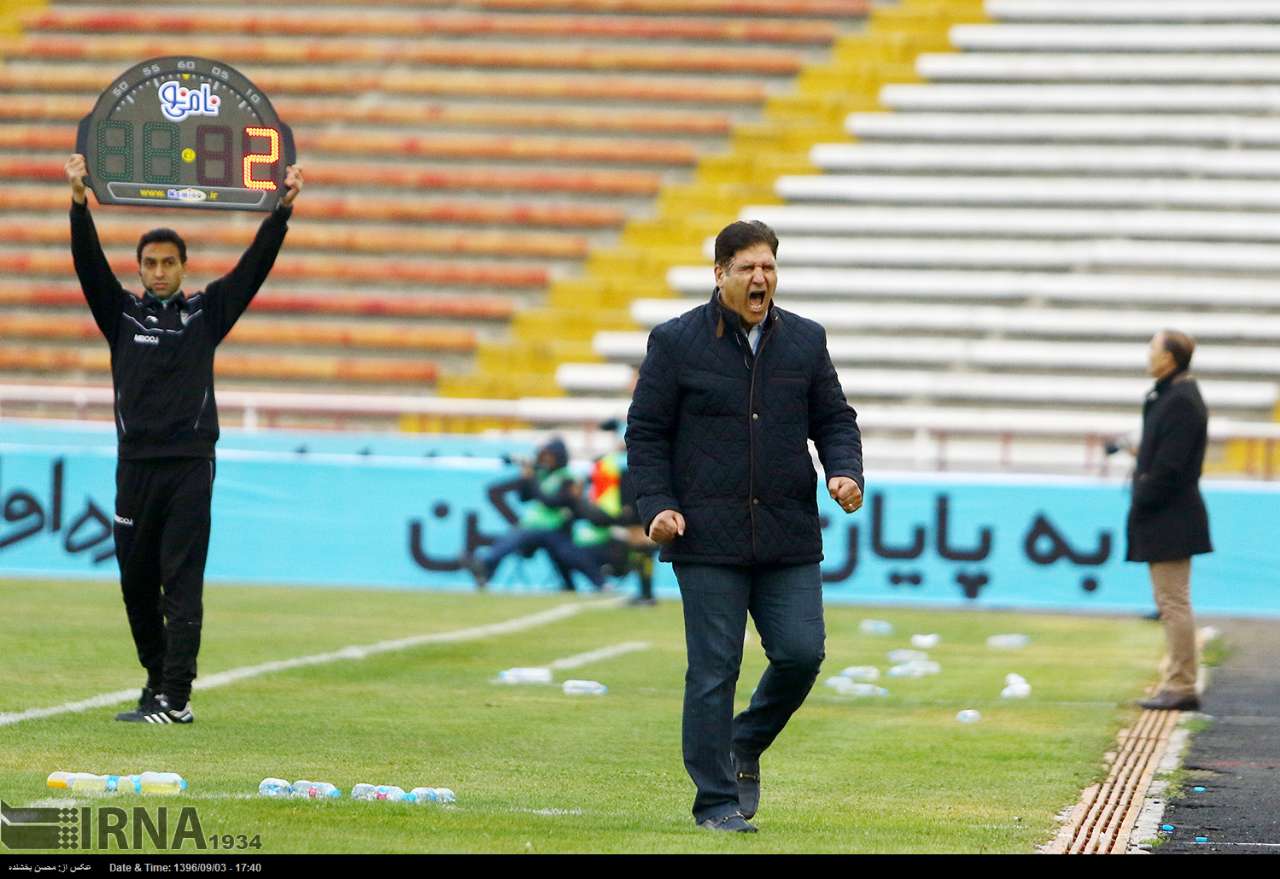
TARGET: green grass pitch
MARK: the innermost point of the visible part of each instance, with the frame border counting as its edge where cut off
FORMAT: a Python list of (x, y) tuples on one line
[(536, 770)]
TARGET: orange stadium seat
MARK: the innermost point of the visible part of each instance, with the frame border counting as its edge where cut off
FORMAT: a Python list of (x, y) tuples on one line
[(329, 207), (299, 368), (505, 57), (466, 25), (402, 271), (586, 85), (64, 295)]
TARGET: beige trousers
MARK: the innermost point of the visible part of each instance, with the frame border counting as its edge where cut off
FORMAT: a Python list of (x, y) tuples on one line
[(1171, 583)]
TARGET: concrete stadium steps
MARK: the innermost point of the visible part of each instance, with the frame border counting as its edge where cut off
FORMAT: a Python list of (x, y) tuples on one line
[(1047, 160), (1153, 292), (1168, 67)]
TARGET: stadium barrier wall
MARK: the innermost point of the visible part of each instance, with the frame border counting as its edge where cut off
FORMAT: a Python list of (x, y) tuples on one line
[(347, 513)]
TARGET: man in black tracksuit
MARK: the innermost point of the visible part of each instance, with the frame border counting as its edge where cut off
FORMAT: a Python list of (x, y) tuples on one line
[(162, 347)]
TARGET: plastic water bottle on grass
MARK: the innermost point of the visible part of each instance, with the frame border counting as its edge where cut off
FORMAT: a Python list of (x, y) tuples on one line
[(968, 715), (276, 788), (86, 782), (861, 673), (313, 790), (1011, 641), (876, 627), (584, 688), (380, 792), (425, 795), (166, 783)]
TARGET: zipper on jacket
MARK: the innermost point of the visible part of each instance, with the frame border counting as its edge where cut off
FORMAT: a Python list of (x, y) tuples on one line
[(120, 414), (751, 439)]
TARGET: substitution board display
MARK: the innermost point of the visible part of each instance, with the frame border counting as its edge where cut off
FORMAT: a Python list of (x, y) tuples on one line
[(186, 132)]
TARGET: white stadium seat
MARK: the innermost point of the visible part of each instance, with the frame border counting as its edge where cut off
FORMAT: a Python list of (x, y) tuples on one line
[(1108, 11), (939, 189), (856, 284), (1097, 67), (1203, 225), (1127, 357), (1040, 158), (1030, 254), (1116, 37), (1114, 98), (1058, 128), (1046, 322)]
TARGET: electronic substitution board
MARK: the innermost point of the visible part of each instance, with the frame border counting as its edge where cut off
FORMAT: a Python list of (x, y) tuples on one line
[(189, 133)]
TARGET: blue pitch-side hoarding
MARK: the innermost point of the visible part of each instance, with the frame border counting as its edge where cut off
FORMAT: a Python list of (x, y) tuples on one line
[(349, 513)]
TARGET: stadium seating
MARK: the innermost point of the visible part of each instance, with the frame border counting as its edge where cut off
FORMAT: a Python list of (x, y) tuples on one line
[(460, 156)]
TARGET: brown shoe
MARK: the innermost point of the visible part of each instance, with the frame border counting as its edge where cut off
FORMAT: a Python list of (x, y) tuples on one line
[(1171, 702)]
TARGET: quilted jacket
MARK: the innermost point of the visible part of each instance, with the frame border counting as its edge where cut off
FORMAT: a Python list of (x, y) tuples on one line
[(721, 436)]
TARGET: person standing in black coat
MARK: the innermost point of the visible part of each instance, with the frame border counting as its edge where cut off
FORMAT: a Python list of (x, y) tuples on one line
[(162, 350), (1168, 522), (728, 397)]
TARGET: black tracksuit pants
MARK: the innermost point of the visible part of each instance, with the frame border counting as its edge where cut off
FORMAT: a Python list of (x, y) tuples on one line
[(162, 540)]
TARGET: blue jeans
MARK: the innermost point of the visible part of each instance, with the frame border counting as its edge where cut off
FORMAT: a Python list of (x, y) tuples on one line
[(565, 554), (786, 604)]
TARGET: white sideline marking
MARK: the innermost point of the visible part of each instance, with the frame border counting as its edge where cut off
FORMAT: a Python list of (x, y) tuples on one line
[(597, 655), (519, 624)]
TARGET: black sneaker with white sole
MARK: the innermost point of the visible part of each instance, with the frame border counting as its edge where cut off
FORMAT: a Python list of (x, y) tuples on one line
[(164, 714), (146, 705)]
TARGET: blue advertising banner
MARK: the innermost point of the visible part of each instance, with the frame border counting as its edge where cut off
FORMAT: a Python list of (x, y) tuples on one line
[(396, 520)]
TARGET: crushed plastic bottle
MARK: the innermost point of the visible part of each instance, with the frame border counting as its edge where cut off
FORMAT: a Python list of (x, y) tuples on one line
[(88, 782), (584, 688), (876, 627), (276, 788), (425, 795), (1012, 641), (1016, 687), (524, 676), (166, 783), (846, 687), (313, 790), (916, 668), (861, 673), (380, 792), (926, 642), (969, 715), (904, 655)]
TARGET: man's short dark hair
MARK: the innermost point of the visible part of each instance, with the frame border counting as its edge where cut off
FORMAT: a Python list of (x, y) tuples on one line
[(1181, 346), (740, 234), (158, 236)]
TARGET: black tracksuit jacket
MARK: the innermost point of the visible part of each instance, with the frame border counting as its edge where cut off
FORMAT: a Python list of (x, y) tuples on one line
[(162, 350)]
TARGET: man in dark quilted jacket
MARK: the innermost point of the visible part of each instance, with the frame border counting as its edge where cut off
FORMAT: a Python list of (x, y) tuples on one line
[(728, 397)]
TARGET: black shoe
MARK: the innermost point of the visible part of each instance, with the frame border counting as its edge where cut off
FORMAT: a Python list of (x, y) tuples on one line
[(641, 601), (163, 714), (747, 772), (734, 823), (1171, 702), (146, 705), (479, 571)]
